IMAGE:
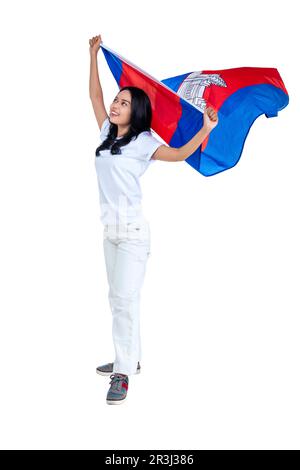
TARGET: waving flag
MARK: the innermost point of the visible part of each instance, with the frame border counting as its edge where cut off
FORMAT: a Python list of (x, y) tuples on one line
[(239, 95)]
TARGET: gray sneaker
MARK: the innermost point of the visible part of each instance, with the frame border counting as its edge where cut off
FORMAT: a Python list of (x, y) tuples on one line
[(117, 392), (107, 369)]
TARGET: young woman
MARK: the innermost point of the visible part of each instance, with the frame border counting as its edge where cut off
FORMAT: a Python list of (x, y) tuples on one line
[(127, 148)]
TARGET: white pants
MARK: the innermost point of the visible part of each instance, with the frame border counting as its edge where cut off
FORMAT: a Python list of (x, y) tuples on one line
[(126, 251)]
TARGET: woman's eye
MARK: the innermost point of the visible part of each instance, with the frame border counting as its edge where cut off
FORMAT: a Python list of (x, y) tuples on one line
[(117, 100)]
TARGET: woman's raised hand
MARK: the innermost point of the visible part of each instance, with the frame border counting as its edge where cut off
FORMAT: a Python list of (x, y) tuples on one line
[(95, 44), (210, 118)]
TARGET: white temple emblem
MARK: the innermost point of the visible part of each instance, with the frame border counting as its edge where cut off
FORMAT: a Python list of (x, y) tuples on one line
[(193, 86)]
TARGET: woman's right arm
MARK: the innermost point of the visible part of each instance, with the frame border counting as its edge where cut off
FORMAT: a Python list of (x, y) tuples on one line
[(95, 89)]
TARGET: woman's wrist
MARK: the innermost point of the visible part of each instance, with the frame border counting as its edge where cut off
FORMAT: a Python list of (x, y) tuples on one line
[(206, 129)]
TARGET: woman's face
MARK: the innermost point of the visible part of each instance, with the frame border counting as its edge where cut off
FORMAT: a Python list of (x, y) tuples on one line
[(121, 105)]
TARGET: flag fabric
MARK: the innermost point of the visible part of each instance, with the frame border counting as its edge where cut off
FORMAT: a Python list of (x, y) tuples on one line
[(239, 95)]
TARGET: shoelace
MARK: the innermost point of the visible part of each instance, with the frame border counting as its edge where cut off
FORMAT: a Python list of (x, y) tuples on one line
[(116, 381)]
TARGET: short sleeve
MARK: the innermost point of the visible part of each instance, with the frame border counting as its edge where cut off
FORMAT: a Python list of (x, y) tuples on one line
[(104, 129), (150, 145)]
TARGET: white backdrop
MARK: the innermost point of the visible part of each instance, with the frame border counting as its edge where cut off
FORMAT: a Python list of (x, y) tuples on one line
[(220, 302)]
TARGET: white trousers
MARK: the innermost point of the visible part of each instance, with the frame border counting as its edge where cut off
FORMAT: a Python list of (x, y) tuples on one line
[(126, 251)]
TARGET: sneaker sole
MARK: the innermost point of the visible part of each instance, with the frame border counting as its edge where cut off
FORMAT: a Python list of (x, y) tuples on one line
[(116, 402), (109, 373)]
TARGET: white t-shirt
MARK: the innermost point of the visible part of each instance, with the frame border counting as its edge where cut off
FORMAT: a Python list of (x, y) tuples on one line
[(118, 177)]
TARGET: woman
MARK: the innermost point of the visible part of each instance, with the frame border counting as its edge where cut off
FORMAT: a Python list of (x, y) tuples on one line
[(127, 148)]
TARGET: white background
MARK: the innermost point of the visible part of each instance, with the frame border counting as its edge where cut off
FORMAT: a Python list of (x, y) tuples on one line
[(220, 302)]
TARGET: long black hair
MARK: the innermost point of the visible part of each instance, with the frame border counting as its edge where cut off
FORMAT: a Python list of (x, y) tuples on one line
[(140, 121)]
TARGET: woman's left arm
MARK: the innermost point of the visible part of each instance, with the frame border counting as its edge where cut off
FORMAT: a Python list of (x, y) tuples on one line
[(173, 154)]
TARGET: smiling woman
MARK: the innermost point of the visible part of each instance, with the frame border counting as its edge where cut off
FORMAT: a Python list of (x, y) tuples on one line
[(126, 150), (123, 155)]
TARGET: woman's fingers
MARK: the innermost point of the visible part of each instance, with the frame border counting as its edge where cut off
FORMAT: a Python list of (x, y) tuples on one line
[(212, 114), (95, 39)]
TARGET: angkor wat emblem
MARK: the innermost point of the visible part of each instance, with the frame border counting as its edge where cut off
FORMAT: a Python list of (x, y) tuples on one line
[(193, 86)]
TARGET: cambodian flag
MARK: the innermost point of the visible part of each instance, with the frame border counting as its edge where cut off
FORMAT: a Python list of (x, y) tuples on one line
[(239, 95)]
